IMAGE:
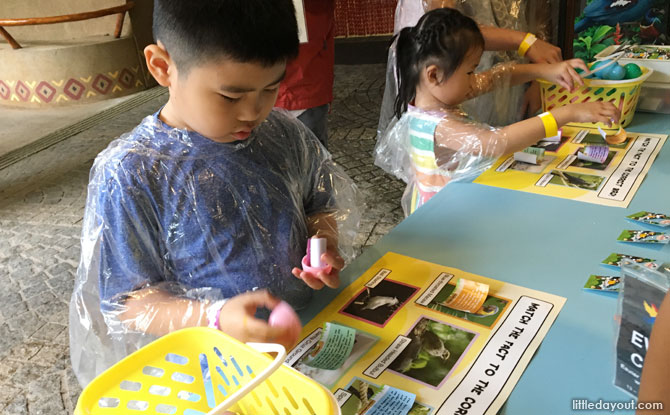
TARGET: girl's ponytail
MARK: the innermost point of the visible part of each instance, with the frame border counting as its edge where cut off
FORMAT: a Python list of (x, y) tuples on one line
[(442, 37), (407, 73)]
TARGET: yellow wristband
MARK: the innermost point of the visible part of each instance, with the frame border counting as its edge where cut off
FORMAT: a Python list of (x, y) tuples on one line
[(550, 125), (526, 43)]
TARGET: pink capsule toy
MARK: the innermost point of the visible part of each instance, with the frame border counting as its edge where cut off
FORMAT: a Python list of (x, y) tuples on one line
[(311, 263)]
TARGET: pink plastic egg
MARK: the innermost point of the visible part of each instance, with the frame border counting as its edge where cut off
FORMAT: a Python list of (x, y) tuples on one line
[(284, 316)]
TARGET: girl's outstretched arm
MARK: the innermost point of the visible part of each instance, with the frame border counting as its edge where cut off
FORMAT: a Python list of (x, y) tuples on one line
[(528, 132), (454, 137)]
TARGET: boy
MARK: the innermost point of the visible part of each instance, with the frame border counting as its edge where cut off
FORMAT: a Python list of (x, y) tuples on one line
[(211, 197)]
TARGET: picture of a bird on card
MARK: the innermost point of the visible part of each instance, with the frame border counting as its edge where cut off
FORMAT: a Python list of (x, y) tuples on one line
[(378, 305)]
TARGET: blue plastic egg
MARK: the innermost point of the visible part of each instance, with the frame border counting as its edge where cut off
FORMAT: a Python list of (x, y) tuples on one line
[(616, 73), (602, 74)]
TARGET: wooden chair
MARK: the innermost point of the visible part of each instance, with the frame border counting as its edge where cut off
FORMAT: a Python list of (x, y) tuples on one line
[(120, 10)]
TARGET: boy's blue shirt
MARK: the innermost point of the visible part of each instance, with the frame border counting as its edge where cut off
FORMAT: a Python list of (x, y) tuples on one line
[(174, 206)]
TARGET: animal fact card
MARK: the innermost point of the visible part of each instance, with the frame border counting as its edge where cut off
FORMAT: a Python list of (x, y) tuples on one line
[(581, 166), (637, 236), (603, 283), (614, 261), (648, 218), (427, 339)]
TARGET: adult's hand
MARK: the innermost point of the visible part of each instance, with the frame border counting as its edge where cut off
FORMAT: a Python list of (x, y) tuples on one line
[(544, 52)]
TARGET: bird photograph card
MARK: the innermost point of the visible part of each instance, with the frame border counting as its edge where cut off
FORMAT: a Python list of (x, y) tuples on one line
[(576, 180), (584, 163), (494, 306), (376, 305), (434, 351), (361, 396)]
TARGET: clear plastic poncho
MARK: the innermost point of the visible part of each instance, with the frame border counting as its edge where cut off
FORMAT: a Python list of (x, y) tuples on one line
[(429, 149), (499, 107), (175, 218)]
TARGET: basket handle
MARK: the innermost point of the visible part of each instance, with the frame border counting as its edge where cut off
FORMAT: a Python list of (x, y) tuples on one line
[(239, 394)]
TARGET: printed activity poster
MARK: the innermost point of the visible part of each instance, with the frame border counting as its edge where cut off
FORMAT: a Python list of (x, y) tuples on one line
[(412, 351), (564, 173)]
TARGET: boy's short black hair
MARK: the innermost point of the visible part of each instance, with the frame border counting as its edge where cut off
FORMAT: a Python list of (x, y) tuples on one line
[(195, 31)]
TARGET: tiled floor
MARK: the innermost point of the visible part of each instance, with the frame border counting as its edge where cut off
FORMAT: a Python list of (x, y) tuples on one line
[(41, 207)]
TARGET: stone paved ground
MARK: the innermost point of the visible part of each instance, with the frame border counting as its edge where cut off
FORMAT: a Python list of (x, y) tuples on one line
[(41, 207)]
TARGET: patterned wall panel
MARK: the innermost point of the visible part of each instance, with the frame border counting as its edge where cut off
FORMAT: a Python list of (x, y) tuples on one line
[(364, 17), (94, 87)]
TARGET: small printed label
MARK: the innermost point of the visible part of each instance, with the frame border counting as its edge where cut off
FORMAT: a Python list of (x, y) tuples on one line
[(544, 180), (379, 277), (505, 165), (389, 355), (302, 347), (566, 162), (341, 396), (580, 137), (434, 289)]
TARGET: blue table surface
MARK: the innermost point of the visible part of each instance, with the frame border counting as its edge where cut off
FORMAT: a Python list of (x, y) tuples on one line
[(544, 243)]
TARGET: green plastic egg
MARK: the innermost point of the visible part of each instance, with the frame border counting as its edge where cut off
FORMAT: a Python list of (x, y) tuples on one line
[(632, 71)]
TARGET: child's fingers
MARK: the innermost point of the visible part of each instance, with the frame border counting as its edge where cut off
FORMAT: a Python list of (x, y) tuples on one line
[(561, 82), (607, 115), (334, 261), (576, 79), (610, 111), (331, 280), (578, 63), (313, 283), (260, 298), (256, 330)]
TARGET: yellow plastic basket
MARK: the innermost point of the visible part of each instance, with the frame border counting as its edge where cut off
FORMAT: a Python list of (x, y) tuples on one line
[(623, 94), (198, 371)]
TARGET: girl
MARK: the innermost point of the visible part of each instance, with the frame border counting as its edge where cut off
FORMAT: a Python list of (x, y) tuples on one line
[(504, 25), (433, 141)]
